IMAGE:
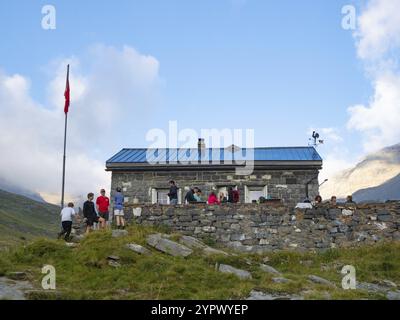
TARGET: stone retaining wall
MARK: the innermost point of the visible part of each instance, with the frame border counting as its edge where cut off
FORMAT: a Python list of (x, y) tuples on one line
[(264, 228)]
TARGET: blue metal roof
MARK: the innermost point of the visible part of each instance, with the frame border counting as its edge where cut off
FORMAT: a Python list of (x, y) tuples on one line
[(138, 156)]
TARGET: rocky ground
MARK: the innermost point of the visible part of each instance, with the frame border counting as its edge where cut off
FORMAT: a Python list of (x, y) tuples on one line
[(278, 276)]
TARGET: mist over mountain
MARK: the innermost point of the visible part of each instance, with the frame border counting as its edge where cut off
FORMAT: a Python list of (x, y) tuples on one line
[(11, 187), (374, 178)]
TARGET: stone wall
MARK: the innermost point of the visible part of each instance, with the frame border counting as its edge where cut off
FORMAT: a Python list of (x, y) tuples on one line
[(264, 228), (286, 185)]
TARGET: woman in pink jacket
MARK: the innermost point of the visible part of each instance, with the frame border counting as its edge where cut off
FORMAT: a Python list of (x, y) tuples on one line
[(213, 199)]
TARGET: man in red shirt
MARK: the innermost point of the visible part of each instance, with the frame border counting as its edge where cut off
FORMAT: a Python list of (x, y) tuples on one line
[(102, 204)]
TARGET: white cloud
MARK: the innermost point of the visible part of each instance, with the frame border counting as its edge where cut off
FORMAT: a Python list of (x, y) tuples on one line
[(378, 45), (378, 29), (379, 121), (114, 91)]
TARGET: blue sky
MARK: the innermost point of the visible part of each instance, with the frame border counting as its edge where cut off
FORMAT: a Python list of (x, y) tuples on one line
[(275, 66), (278, 67)]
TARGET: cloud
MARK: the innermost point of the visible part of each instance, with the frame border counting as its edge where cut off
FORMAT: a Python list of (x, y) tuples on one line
[(114, 91), (378, 33), (379, 120), (378, 46)]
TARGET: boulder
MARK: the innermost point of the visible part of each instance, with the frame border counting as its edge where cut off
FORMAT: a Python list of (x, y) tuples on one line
[(280, 280), (113, 258), (192, 242), (168, 246), (258, 295), (208, 251), (138, 248), (13, 290), (371, 287), (393, 295), (242, 274), (17, 275), (119, 233), (320, 280), (269, 269), (114, 264)]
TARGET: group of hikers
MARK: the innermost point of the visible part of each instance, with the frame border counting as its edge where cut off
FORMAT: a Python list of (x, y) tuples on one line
[(194, 195), (98, 216), (95, 215)]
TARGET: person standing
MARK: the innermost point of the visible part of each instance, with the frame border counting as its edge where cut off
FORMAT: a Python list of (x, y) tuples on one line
[(89, 213), (66, 221), (102, 205), (119, 209), (230, 195), (173, 193), (235, 195)]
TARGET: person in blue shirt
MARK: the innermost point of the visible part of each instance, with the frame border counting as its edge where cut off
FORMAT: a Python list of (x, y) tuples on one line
[(119, 209)]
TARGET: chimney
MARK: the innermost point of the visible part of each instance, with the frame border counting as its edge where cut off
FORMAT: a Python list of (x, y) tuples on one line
[(201, 145)]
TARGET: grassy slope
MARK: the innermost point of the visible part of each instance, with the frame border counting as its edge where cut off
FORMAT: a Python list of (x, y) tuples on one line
[(83, 272), (23, 217)]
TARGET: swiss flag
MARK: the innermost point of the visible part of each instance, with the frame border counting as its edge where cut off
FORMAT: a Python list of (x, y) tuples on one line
[(66, 93)]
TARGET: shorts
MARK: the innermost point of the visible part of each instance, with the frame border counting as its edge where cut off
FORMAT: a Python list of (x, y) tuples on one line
[(104, 215), (119, 212), (90, 221)]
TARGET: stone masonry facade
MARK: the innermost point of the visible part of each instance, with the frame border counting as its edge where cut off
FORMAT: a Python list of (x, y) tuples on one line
[(288, 185), (263, 228)]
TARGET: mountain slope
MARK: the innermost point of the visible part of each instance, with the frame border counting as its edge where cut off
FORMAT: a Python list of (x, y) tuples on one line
[(376, 169), (23, 217), (390, 190)]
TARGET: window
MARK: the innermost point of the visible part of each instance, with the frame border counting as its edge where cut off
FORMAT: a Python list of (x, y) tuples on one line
[(253, 193), (160, 196)]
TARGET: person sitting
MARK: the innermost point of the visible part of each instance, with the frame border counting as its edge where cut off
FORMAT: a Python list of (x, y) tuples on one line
[(189, 197), (197, 195), (333, 202), (222, 197), (317, 200), (213, 199), (349, 200)]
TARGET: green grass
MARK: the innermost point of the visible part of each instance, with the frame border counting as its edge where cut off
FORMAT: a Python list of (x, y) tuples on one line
[(22, 218), (83, 272)]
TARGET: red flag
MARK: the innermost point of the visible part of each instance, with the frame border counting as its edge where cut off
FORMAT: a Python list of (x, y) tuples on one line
[(66, 93)]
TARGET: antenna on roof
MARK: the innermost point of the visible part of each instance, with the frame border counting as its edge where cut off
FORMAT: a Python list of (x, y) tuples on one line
[(315, 141)]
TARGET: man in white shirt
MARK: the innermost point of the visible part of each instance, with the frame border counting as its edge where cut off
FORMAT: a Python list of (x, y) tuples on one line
[(66, 220)]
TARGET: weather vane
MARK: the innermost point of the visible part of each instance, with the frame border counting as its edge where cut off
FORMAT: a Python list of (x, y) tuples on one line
[(315, 141)]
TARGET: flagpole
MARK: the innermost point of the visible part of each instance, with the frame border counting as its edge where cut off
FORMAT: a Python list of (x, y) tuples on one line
[(65, 147), (64, 157)]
